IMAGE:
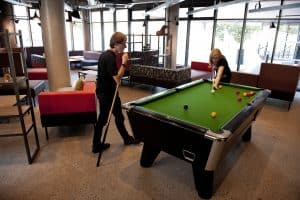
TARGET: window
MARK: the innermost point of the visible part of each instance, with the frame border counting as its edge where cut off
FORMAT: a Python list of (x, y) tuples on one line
[(258, 45), (200, 41), (156, 42), (288, 40), (158, 14), (182, 13), (69, 34), (122, 15), (200, 37), (138, 14), (286, 43), (228, 37), (122, 20), (20, 13), (96, 34), (137, 30), (78, 34), (36, 29), (181, 42), (226, 11), (108, 27)]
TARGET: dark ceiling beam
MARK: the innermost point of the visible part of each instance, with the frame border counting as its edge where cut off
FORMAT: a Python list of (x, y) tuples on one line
[(146, 6)]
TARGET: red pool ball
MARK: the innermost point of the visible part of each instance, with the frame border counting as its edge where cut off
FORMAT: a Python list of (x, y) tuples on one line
[(237, 92), (252, 93), (239, 98)]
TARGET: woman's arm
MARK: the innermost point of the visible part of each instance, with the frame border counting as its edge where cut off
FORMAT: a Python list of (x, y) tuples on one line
[(218, 77)]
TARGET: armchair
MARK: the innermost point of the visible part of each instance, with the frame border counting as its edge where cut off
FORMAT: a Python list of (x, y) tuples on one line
[(60, 108)]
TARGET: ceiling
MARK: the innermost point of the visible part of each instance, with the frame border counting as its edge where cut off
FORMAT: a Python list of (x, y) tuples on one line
[(140, 4)]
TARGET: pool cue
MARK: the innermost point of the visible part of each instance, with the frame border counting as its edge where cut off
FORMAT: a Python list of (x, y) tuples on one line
[(106, 126), (212, 79)]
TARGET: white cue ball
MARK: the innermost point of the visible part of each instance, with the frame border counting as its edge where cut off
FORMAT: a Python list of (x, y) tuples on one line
[(212, 91)]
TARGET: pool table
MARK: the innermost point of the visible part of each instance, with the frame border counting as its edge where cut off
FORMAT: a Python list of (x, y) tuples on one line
[(178, 121)]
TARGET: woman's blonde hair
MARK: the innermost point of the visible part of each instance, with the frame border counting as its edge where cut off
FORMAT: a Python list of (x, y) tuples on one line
[(215, 53)]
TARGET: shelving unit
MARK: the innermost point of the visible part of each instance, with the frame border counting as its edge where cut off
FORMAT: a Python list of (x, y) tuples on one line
[(16, 119), (145, 43)]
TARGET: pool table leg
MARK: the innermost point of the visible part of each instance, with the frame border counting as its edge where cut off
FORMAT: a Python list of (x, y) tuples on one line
[(247, 135), (149, 154), (203, 181)]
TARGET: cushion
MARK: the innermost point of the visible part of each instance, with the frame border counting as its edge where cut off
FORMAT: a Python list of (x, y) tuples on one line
[(200, 66), (79, 84), (65, 89)]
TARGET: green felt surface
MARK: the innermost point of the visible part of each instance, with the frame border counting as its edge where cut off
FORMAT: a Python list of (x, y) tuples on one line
[(201, 103)]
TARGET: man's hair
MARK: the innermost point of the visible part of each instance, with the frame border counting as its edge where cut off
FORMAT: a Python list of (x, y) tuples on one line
[(117, 38)]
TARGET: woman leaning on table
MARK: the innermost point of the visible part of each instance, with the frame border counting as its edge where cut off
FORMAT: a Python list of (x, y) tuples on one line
[(218, 62)]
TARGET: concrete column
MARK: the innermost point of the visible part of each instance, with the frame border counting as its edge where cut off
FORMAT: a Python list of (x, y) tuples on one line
[(173, 17), (55, 43), (86, 29)]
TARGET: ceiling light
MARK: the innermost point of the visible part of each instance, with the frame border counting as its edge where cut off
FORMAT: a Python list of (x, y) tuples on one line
[(136, 2), (35, 16), (167, 4), (272, 25), (218, 6), (75, 13)]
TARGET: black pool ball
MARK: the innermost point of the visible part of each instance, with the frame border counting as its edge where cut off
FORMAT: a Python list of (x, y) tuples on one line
[(185, 107)]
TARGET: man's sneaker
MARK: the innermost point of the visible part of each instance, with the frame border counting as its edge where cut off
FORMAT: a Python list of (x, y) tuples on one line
[(97, 148), (130, 140)]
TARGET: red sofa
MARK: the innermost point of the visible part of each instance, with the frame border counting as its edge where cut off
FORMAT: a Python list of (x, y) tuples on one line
[(200, 70), (37, 73), (280, 79), (38, 70), (61, 108)]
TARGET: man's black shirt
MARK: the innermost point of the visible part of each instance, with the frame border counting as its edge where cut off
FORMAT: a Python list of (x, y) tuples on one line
[(107, 68)]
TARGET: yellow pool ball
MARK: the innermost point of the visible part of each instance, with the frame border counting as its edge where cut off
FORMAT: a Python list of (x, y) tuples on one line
[(220, 86), (245, 94), (213, 114)]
